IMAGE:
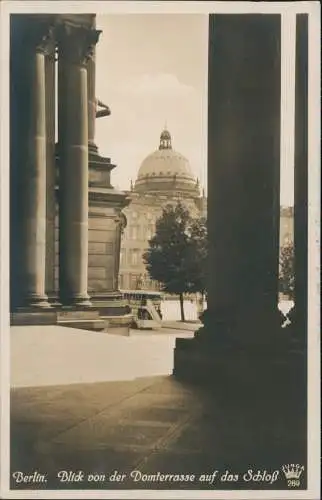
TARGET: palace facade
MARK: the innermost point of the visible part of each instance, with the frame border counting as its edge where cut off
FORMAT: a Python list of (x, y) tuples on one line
[(164, 177)]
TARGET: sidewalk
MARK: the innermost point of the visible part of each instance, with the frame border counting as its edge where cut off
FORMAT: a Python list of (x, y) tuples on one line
[(92, 404), (151, 425)]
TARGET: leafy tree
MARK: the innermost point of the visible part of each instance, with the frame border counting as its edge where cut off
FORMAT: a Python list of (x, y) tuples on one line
[(197, 255), (176, 252), (287, 277)]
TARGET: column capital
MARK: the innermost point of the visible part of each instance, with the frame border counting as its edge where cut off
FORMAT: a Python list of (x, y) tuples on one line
[(77, 43), (41, 38)]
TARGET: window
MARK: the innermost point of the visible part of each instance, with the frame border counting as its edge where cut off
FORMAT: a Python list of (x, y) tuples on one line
[(135, 256), (150, 232), (134, 232), (123, 256), (134, 280)]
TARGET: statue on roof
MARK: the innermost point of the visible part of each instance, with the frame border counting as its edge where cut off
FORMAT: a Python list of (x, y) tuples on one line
[(104, 111)]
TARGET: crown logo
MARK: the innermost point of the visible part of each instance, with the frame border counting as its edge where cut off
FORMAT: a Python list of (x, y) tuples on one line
[(293, 471)]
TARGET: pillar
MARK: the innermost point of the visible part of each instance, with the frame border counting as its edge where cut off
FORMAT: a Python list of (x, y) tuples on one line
[(91, 105), (301, 175), (50, 69), (91, 87), (243, 173), (75, 43), (33, 172), (120, 225)]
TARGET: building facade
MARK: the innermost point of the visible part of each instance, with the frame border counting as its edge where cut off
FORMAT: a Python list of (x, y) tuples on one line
[(164, 177)]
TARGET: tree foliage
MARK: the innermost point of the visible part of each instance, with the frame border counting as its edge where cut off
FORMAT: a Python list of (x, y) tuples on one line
[(177, 252), (287, 276)]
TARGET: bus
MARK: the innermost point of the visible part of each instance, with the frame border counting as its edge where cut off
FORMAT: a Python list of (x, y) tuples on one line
[(146, 308)]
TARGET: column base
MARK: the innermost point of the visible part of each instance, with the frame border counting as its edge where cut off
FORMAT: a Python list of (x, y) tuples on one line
[(82, 318), (69, 316), (242, 359), (36, 302), (77, 302), (92, 148), (23, 316)]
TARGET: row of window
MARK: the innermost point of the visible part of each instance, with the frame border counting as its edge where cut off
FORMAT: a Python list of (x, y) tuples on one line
[(134, 215), (134, 281), (139, 232), (132, 256)]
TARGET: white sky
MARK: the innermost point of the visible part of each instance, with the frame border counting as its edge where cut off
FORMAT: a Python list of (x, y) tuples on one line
[(151, 70)]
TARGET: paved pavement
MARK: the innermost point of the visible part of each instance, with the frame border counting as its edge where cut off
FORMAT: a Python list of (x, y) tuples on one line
[(151, 425), (92, 404)]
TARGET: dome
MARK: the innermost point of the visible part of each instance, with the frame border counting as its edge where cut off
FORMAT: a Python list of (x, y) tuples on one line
[(165, 169)]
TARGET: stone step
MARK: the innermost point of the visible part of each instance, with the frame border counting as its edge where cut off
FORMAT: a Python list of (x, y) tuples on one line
[(27, 317), (85, 324)]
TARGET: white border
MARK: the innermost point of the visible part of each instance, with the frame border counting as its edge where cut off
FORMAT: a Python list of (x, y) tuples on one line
[(101, 7)]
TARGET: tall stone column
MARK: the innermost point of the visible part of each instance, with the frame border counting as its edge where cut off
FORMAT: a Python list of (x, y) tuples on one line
[(243, 174), (241, 323), (91, 105), (75, 46), (120, 225), (301, 175), (33, 249), (50, 67)]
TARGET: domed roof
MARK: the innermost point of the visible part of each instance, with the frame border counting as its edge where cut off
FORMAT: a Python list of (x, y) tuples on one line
[(165, 169)]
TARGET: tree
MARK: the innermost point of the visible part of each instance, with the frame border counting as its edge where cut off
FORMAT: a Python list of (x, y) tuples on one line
[(197, 255), (287, 277), (175, 256)]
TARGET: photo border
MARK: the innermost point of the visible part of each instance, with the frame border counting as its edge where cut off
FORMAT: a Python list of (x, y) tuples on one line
[(114, 7)]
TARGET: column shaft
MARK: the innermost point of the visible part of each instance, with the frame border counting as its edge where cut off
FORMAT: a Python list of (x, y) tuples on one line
[(73, 176), (243, 171), (91, 104), (50, 172), (34, 204), (301, 174), (91, 93)]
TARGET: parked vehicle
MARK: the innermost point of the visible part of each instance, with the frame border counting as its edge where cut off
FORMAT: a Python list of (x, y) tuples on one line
[(145, 307)]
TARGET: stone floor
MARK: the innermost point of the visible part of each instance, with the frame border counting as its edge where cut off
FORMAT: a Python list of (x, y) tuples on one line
[(93, 404), (151, 425)]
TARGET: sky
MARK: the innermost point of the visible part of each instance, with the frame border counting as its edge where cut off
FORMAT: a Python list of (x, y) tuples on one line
[(151, 70)]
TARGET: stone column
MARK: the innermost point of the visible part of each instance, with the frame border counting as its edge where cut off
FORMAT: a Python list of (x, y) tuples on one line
[(243, 176), (301, 175), (75, 46), (120, 224), (33, 250), (91, 105), (91, 93), (50, 67)]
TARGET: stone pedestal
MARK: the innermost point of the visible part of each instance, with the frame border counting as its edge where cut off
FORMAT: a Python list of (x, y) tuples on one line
[(105, 226), (243, 194)]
